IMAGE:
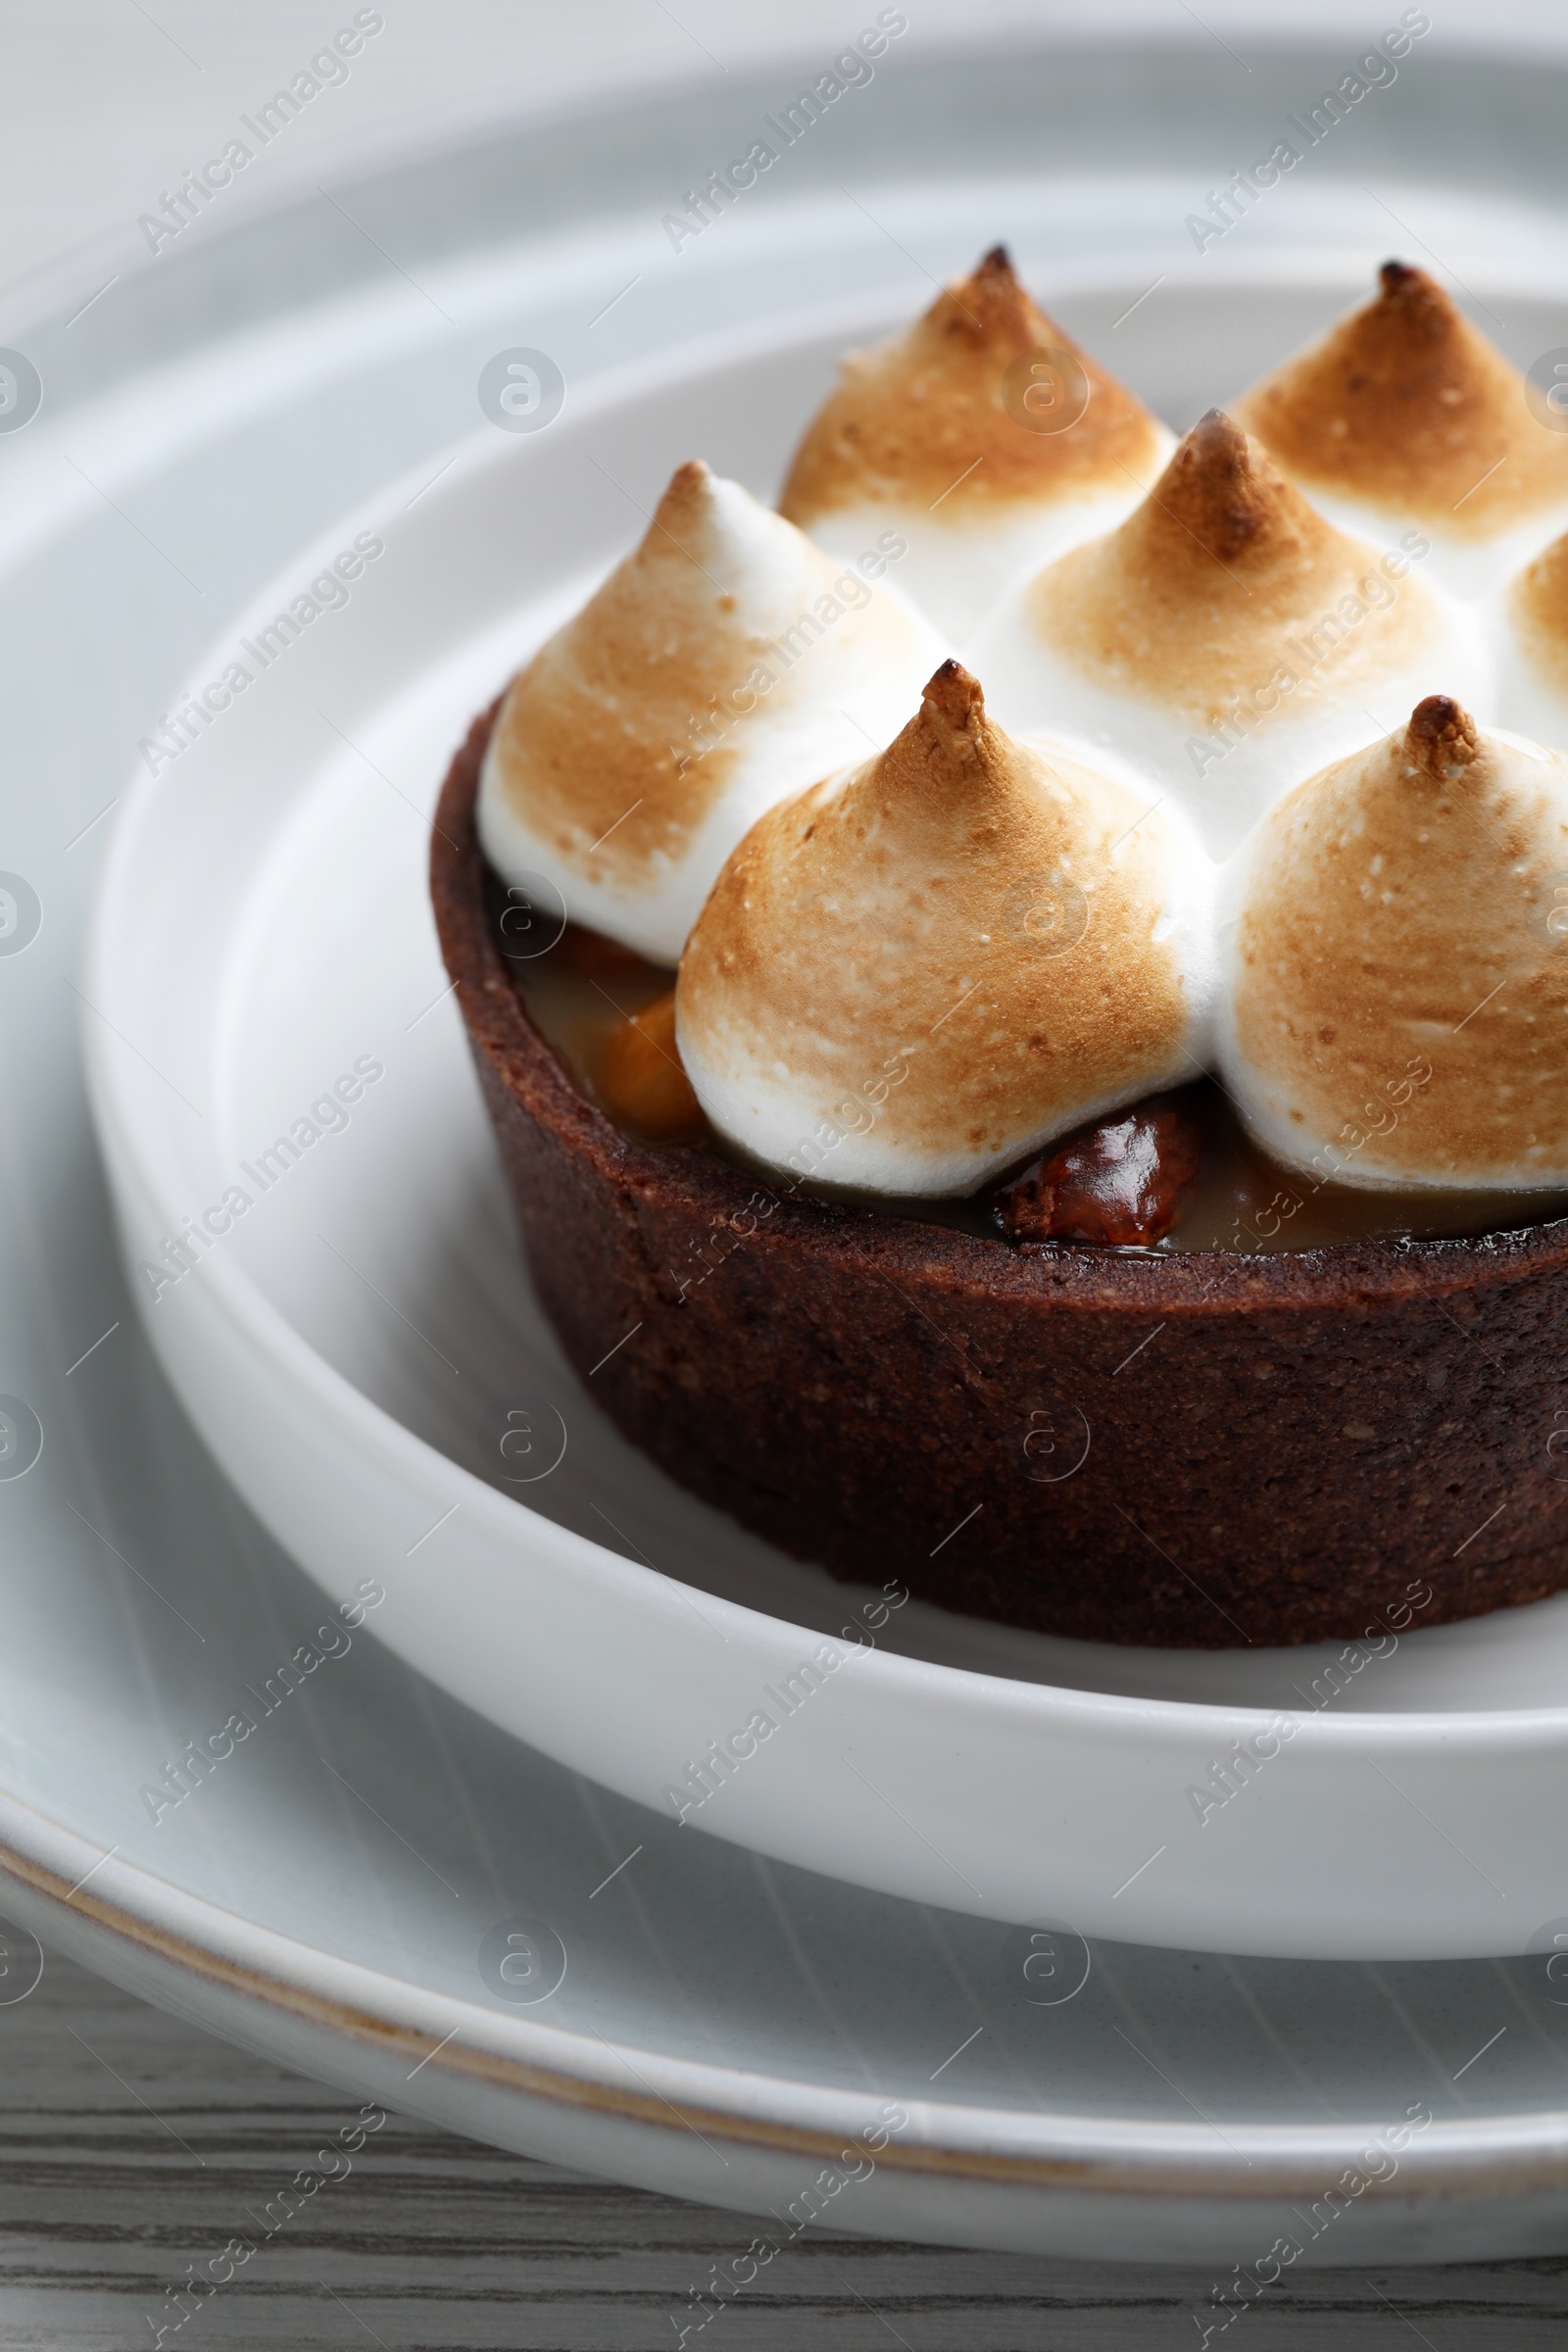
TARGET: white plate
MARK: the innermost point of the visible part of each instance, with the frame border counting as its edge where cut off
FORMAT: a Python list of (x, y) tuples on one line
[(1178, 2107), (351, 1347)]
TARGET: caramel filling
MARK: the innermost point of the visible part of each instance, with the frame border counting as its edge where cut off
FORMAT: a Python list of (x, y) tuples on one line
[(608, 1016)]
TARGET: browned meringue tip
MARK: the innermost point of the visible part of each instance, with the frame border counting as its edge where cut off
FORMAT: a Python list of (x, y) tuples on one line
[(1379, 353), (952, 695), (1441, 739), (684, 495), (1405, 405), (1413, 298), (993, 309), (949, 742), (951, 733), (932, 415), (1222, 489), (1411, 325)]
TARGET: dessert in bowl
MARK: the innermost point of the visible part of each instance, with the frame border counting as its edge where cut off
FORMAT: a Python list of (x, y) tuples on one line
[(1103, 1159)]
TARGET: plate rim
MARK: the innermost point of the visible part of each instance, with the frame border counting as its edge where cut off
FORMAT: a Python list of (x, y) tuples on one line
[(1143, 2158), (247, 1306)]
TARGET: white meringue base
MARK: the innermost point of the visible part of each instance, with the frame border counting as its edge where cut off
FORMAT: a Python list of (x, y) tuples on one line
[(1527, 704), (656, 919), (764, 1119), (1466, 568), (1335, 1160), (1030, 689), (958, 570)]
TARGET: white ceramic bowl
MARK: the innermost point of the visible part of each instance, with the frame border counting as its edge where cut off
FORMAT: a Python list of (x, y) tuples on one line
[(351, 1345)]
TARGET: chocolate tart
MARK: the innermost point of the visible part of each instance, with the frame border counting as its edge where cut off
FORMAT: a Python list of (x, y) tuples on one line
[(1200, 1449)]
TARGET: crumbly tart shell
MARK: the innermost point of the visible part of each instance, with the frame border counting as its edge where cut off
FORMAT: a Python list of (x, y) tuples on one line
[(1192, 1450)]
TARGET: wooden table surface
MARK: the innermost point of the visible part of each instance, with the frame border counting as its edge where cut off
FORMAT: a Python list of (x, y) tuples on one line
[(132, 2145)]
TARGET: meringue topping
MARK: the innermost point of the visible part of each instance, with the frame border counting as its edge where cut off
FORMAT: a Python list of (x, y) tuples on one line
[(1406, 412), (726, 662), (1398, 979), (917, 971), (987, 454), (1225, 639)]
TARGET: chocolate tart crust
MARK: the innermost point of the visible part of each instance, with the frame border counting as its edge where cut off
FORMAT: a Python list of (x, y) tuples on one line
[(1190, 1451)]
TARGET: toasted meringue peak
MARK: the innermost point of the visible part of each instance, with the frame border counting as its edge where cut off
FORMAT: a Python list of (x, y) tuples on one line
[(912, 415), (1397, 1006), (1406, 412), (951, 432), (724, 664), (915, 972), (1225, 639)]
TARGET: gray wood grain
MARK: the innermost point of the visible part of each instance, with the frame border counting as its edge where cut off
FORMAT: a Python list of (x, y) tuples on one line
[(132, 2145)]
